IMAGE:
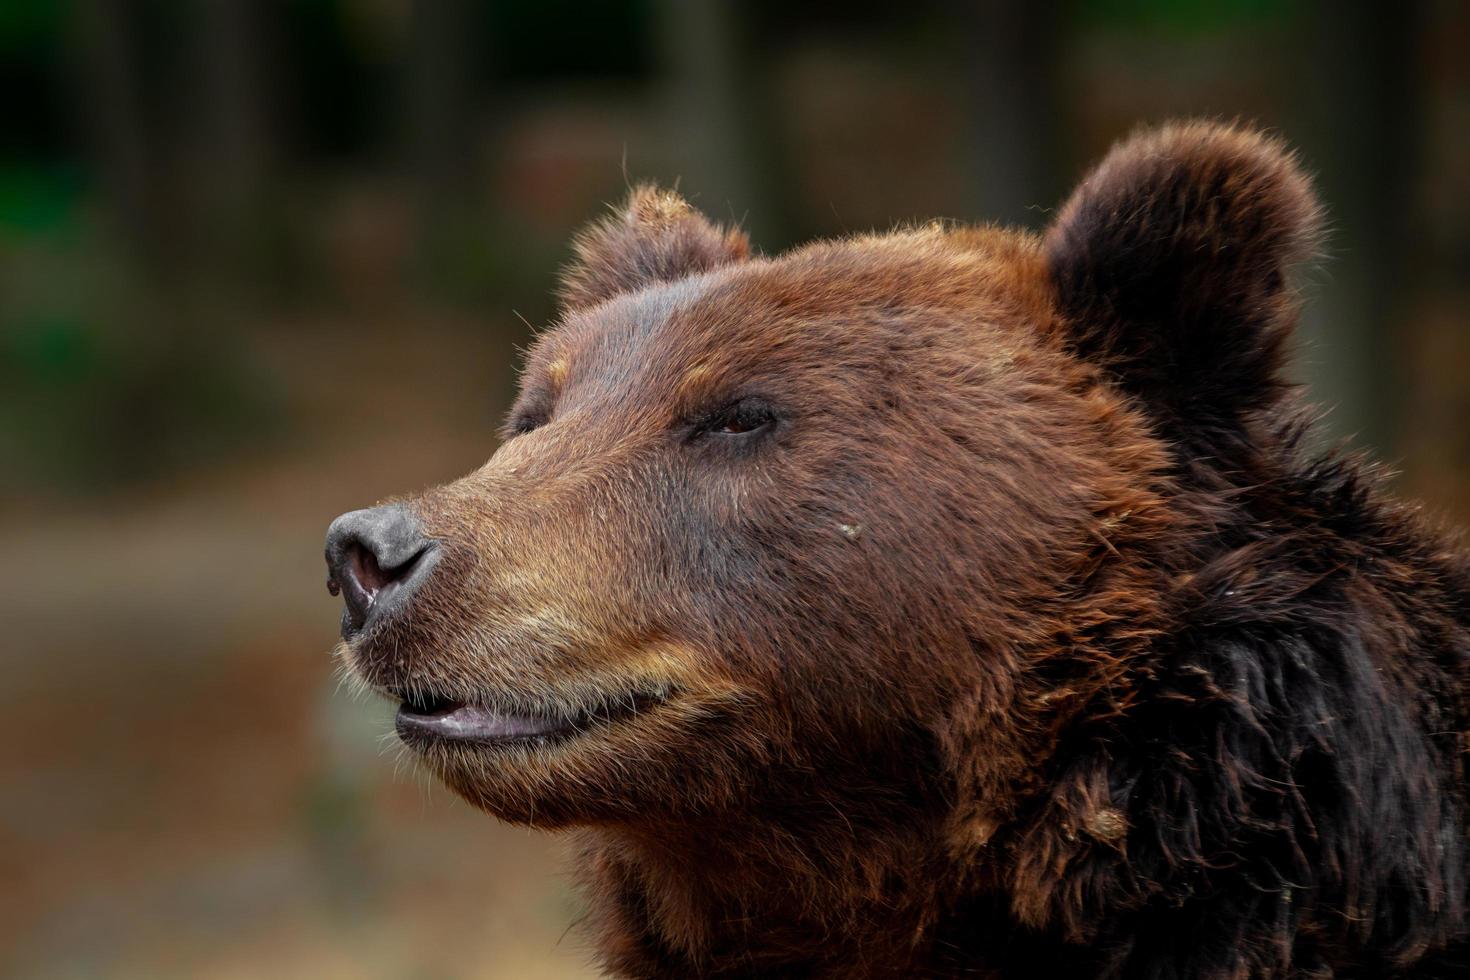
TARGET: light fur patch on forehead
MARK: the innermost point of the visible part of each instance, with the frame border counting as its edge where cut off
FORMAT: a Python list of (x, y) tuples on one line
[(696, 379)]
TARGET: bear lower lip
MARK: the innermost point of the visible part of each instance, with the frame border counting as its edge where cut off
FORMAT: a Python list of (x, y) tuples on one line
[(475, 723), (437, 719)]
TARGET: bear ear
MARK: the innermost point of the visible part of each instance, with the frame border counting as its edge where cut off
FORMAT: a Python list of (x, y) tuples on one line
[(1171, 265), (655, 237)]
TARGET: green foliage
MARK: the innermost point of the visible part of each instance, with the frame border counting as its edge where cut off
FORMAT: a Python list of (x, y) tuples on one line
[(38, 202), (1186, 16), (601, 39), (102, 378), (30, 25)]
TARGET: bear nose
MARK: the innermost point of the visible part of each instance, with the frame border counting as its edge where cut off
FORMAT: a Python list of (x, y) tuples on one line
[(376, 558)]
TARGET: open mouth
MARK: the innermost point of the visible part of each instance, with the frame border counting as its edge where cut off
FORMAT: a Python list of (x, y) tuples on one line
[(430, 718)]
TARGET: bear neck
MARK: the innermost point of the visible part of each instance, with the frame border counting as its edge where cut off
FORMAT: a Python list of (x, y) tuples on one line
[(732, 897), (869, 872)]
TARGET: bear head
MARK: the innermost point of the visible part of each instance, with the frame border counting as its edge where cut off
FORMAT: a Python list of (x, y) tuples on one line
[(852, 535)]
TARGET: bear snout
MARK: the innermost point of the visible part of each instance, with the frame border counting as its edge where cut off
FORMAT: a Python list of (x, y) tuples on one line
[(376, 559)]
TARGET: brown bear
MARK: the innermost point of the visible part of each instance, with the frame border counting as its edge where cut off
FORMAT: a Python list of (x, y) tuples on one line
[(947, 602)]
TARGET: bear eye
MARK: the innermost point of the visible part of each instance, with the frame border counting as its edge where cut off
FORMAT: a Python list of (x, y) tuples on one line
[(519, 425), (743, 418)]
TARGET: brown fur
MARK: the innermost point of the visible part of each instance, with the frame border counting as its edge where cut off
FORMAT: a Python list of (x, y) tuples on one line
[(902, 664)]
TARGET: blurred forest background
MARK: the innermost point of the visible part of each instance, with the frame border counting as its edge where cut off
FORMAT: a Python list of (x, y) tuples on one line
[(264, 261)]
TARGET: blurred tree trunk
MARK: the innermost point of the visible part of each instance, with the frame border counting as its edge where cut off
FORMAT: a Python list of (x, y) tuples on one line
[(235, 121), (715, 145), (1361, 132), (1009, 67), (443, 130), (117, 127), (235, 110)]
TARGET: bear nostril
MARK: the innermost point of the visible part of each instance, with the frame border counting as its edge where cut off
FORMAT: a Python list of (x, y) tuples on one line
[(365, 568), (374, 556)]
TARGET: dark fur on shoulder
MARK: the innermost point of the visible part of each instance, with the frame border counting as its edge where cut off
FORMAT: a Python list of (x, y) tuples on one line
[(1293, 777), (957, 603)]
